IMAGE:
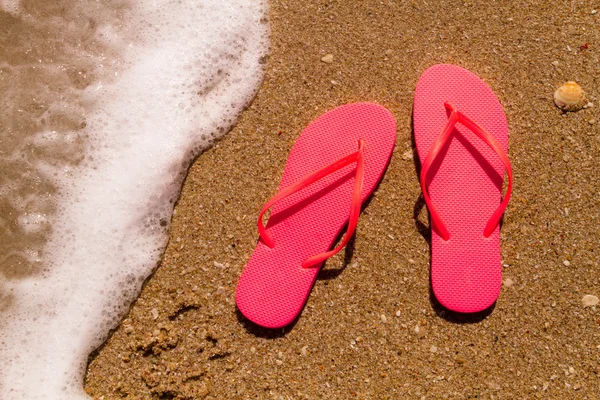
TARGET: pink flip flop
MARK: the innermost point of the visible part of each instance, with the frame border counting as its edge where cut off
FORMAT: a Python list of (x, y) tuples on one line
[(461, 135), (334, 166)]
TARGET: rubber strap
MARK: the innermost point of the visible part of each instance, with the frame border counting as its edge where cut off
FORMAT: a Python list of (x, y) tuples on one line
[(358, 158), (458, 117)]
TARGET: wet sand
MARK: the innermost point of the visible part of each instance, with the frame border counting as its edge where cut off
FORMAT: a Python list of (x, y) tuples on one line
[(370, 328)]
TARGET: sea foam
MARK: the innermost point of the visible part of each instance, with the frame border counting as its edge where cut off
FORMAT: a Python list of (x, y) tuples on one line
[(186, 69)]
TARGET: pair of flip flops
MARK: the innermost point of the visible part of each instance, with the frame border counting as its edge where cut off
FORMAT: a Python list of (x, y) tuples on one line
[(461, 135)]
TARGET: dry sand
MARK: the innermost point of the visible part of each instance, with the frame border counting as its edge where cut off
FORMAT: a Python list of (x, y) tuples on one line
[(371, 329)]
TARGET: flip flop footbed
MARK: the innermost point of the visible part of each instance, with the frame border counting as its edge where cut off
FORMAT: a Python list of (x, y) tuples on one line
[(465, 185), (274, 286)]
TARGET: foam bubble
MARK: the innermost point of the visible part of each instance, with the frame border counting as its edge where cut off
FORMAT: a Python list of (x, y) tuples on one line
[(186, 71)]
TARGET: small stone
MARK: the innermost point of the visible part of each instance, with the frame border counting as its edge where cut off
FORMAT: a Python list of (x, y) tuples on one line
[(567, 263), (278, 362), (218, 264), (555, 63), (220, 290), (433, 349), (203, 391), (461, 360), (304, 351), (407, 155), (398, 313), (280, 355), (328, 58), (594, 12), (252, 349), (592, 121), (389, 52), (154, 313), (571, 370), (508, 282), (383, 318), (589, 300)]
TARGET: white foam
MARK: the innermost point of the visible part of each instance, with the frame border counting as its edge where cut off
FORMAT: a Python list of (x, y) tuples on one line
[(10, 6), (32, 222), (189, 69)]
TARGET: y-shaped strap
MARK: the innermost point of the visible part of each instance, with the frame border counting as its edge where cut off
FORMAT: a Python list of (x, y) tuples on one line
[(359, 159), (459, 117)]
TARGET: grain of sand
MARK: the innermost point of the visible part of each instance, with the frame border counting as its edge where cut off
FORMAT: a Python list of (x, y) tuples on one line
[(371, 330)]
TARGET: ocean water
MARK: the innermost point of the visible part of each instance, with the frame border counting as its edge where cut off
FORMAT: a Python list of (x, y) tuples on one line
[(104, 106)]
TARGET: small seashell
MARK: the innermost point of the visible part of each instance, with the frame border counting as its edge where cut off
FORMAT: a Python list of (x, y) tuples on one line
[(304, 351), (589, 300), (570, 97)]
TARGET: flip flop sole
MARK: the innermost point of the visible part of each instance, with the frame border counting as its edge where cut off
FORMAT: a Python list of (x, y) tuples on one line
[(465, 185), (274, 286)]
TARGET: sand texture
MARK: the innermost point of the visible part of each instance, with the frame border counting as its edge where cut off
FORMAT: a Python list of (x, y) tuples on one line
[(371, 329)]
